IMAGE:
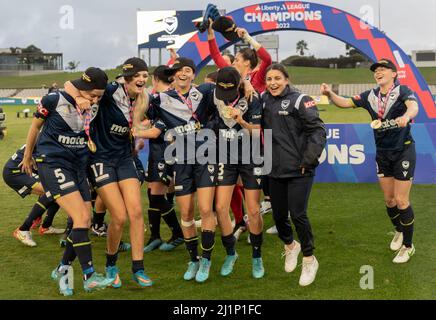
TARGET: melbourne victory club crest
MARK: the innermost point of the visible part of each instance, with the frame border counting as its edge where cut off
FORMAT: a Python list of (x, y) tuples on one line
[(405, 164), (285, 104), (160, 166), (211, 169)]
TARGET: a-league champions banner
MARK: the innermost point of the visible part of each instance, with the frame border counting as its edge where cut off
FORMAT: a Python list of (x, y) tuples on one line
[(350, 151), (350, 154)]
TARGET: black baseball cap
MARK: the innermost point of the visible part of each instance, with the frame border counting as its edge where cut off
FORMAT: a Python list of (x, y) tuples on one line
[(132, 66), (226, 27), (227, 84), (92, 78), (159, 73), (384, 63), (179, 64)]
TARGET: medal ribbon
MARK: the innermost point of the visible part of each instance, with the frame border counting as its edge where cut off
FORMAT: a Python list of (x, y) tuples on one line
[(131, 107), (188, 103), (87, 123), (382, 105)]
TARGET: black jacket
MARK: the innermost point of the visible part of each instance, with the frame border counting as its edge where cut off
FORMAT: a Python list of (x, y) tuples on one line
[(298, 134)]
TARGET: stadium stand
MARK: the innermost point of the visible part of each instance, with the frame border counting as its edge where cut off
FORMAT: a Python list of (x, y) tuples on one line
[(433, 88), (350, 90), (6, 93), (310, 89), (26, 93)]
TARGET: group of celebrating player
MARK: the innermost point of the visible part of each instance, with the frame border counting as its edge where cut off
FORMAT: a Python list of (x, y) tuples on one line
[(87, 138)]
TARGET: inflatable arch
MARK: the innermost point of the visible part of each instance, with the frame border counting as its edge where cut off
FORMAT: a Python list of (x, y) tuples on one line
[(329, 21)]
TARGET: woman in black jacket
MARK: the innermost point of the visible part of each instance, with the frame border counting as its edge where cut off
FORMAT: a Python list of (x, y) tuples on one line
[(298, 138)]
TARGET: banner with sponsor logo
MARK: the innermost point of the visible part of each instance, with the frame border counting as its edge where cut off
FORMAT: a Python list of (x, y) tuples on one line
[(19, 101), (350, 154), (329, 21), (160, 29)]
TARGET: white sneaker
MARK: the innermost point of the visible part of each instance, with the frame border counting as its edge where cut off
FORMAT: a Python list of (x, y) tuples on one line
[(397, 241), (291, 256), (265, 207), (24, 237), (238, 232), (272, 230), (308, 273), (404, 254), (50, 230)]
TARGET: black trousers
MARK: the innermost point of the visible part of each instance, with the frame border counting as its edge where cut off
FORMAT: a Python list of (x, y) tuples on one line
[(291, 195)]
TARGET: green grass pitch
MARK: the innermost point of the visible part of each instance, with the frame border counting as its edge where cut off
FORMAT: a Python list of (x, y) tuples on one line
[(349, 222)]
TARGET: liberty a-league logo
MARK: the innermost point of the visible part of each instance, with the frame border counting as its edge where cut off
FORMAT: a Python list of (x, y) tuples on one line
[(171, 24), (285, 104)]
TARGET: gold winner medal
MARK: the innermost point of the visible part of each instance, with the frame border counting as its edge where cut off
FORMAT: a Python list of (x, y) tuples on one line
[(227, 112), (91, 146), (376, 124)]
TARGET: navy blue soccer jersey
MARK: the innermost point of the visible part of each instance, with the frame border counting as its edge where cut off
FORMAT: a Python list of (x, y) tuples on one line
[(229, 130), (184, 119), (389, 136), (156, 146), (62, 137), (110, 129)]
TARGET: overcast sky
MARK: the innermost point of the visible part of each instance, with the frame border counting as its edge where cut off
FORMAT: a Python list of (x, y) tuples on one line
[(104, 32)]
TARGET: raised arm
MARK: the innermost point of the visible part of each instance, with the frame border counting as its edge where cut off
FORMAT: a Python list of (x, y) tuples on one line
[(336, 99), (213, 48), (82, 103)]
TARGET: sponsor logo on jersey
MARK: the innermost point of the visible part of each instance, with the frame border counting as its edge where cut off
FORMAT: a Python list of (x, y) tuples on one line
[(42, 110), (72, 141), (310, 104), (120, 130), (188, 128)]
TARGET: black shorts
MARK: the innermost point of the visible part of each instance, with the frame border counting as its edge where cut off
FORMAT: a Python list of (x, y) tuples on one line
[(159, 172), (103, 172), (20, 182), (140, 170), (190, 177), (250, 174), (397, 164), (59, 181)]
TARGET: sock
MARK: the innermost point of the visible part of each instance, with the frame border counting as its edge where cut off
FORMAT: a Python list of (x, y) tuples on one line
[(237, 205), (137, 265), (111, 259), (98, 217), (51, 212), (256, 243), (207, 243), (154, 215), (168, 213), (192, 247), (229, 244), (170, 198), (69, 253), (82, 246), (37, 211), (394, 215), (407, 221), (69, 226)]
